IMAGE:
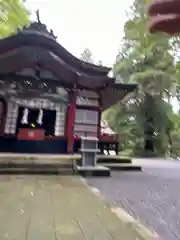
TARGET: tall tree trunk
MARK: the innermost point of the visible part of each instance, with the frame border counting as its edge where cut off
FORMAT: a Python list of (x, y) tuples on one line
[(149, 146), (149, 137), (169, 141)]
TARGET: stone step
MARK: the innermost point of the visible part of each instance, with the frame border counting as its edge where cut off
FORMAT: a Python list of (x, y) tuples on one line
[(36, 171), (64, 158), (96, 171), (113, 159), (35, 165), (84, 150), (30, 165), (122, 167)]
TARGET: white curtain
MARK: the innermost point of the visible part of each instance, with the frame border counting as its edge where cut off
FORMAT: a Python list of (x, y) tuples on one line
[(40, 117), (25, 116)]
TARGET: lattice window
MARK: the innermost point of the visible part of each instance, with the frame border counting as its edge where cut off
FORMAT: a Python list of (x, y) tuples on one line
[(60, 122), (85, 128), (86, 123), (86, 116), (85, 134), (88, 98), (11, 119)]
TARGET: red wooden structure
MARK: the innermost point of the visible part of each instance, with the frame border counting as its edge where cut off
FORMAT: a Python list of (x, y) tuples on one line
[(52, 95), (164, 16)]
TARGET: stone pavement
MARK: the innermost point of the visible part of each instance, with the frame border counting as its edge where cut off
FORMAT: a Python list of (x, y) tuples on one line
[(55, 208), (151, 196)]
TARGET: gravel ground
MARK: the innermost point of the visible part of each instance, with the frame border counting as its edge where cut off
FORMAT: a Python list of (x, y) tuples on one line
[(152, 196)]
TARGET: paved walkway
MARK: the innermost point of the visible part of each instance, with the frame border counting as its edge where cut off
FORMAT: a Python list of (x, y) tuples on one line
[(55, 208), (152, 196)]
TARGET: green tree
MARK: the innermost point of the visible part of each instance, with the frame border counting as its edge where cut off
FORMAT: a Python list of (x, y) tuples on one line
[(13, 15), (86, 56), (146, 59)]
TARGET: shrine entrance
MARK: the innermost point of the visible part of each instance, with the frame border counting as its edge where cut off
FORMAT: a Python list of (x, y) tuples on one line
[(42, 119), (33, 126)]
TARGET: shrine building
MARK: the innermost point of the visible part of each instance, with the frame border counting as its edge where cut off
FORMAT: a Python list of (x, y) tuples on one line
[(49, 99)]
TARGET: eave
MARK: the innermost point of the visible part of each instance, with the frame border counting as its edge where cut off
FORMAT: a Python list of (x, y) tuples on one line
[(33, 39), (24, 57), (113, 93), (31, 49)]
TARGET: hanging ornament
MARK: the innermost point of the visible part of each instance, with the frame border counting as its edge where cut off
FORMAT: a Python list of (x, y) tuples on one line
[(169, 23), (164, 7), (40, 117), (25, 116)]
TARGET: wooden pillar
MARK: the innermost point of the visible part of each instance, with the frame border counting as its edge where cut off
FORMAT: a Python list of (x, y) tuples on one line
[(99, 116), (3, 112), (71, 119)]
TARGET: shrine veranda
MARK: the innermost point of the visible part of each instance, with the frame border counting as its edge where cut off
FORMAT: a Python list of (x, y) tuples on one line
[(49, 99)]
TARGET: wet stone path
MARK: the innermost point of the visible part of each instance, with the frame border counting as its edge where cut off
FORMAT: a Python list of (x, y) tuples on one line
[(56, 208), (152, 196)]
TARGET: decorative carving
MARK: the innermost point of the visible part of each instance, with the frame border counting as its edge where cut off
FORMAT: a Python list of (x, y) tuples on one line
[(38, 28), (38, 17), (32, 89)]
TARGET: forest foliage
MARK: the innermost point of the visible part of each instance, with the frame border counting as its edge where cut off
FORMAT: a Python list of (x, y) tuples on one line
[(13, 15), (146, 123)]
